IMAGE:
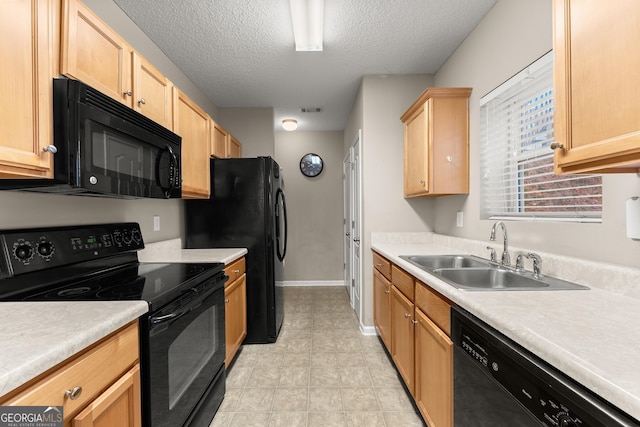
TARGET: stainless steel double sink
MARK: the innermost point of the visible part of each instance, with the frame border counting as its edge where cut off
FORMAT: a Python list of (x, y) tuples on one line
[(472, 273)]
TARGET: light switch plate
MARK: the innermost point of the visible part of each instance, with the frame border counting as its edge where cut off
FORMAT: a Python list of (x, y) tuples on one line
[(459, 219), (156, 223)]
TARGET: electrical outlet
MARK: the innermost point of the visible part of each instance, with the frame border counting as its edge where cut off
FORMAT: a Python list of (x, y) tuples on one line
[(459, 219), (156, 223)]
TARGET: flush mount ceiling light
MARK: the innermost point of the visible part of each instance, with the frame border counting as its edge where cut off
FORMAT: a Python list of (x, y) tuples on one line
[(308, 18), (289, 124)]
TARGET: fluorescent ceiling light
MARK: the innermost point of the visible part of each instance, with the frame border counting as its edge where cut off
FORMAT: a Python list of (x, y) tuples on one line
[(308, 18), (290, 124)]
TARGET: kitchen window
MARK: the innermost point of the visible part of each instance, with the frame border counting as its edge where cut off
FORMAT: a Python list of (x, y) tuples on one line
[(516, 163)]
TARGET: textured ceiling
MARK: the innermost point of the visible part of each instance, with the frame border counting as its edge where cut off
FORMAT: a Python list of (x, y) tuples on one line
[(240, 53)]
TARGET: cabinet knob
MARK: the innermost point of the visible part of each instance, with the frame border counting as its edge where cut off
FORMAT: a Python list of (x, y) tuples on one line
[(449, 159), (128, 92), (226, 300), (407, 315), (556, 145), (386, 291), (74, 393), (142, 101), (422, 181), (414, 322), (50, 149)]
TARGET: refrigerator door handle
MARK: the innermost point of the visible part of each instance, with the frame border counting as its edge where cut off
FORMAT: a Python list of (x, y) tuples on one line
[(281, 225)]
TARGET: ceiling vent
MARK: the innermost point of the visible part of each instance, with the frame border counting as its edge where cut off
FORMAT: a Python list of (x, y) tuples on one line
[(310, 109)]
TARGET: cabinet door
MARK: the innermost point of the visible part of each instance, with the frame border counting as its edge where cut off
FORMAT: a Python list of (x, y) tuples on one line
[(95, 54), (152, 94), (402, 341), (381, 307), (218, 140), (119, 405), (235, 298), (234, 148), (192, 124), (416, 153), (30, 38), (597, 113), (434, 373)]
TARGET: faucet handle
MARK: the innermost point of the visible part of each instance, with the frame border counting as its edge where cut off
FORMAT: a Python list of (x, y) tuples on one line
[(537, 263), (493, 256)]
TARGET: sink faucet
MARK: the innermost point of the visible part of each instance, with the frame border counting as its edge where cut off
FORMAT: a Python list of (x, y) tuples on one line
[(506, 260), (537, 263)]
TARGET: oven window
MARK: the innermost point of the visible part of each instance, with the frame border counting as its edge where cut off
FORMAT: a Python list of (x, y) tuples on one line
[(190, 352), (122, 156)]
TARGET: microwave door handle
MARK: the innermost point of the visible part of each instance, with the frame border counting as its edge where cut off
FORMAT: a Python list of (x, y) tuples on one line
[(172, 170)]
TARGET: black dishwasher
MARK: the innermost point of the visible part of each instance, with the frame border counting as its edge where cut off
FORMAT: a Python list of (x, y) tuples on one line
[(498, 383)]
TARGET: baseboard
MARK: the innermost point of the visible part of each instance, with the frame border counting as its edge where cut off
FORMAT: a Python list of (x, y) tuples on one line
[(312, 283), (368, 330)]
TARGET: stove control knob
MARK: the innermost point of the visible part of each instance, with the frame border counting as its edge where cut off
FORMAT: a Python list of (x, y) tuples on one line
[(136, 235), (23, 252), (45, 249), (566, 421)]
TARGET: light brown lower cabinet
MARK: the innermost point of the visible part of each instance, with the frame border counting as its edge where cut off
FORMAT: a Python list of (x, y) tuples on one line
[(235, 309), (382, 307), (98, 387), (402, 341), (434, 372), (413, 321)]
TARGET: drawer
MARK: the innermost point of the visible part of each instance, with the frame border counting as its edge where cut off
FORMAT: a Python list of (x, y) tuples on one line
[(435, 306), (235, 270), (382, 264), (94, 370), (403, 281)]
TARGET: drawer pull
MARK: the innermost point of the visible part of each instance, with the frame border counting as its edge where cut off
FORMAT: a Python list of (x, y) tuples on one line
[(74, 393), (235, 271)]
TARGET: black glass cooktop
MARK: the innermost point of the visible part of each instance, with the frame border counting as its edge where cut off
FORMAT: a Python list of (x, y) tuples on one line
[(155, 283)]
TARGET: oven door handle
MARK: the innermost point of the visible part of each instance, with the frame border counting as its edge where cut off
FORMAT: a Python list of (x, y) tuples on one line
[(156, 320)]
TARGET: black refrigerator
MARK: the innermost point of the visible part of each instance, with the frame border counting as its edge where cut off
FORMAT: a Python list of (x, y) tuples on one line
[(247, 209)]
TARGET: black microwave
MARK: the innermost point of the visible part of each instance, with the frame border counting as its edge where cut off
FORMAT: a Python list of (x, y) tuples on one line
[(104, 148)]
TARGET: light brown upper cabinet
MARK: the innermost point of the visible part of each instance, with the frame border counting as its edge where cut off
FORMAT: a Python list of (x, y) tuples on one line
[(597, 112), (192, 124), (223, 144), (29, 62), (152, 92), (436, 143), (95, 54), (218, 140), (234, 148)]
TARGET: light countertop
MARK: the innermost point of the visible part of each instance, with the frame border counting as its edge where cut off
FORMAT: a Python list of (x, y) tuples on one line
[(171, 251), (38, 335), (590, 335)]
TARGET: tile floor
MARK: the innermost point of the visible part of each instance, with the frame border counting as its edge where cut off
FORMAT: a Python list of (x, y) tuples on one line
[(320, 372)]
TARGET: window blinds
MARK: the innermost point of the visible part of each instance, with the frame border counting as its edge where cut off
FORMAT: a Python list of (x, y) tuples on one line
[(516, 163)]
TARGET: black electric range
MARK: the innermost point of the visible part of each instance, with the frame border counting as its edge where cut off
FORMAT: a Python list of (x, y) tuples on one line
[(183, 382)]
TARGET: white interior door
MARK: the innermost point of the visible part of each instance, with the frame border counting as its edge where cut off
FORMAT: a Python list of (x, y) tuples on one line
[(346, 182), (356, 224)]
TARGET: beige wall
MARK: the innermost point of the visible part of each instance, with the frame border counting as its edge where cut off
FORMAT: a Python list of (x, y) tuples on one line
[(512, 35), (253, 127), (314, 205), (380, 103)]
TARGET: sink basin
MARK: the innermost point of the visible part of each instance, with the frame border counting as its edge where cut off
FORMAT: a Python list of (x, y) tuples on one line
[(433, 262), (472, 273), (495, 279)]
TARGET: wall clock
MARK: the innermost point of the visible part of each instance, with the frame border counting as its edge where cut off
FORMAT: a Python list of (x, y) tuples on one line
[(311, 165)]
